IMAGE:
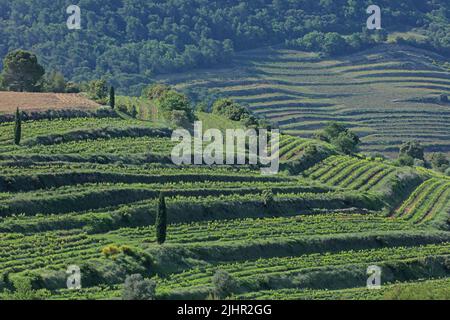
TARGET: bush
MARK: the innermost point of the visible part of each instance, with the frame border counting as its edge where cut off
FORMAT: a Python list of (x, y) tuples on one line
[(419, 163), (111, 250), (337, 134), (420, 291), (268, 198), (224, 285), (155, 91), (233, 111), (174, 101), (23, 290), (180, 119), (412, 149), (439, 161), (98, 91), (138, 288), (405, 160)]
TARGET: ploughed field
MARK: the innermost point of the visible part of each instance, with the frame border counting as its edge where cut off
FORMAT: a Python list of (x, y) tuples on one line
[(30, 101), (84, 191), (388, 95)]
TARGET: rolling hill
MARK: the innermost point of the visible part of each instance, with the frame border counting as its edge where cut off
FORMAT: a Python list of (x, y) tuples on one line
[(84, 191), (388, 95)]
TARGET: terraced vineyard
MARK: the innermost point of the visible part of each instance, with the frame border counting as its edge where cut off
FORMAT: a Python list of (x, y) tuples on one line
[(388, 95), (85, 192)]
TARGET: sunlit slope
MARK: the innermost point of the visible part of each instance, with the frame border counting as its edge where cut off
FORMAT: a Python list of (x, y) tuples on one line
[(388, 95)]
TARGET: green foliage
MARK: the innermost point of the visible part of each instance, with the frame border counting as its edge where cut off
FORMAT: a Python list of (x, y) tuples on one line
[(180, 119), (172, 100), (17, 127), (439, 161), (412, 149), (419, 291), (138, 288), (110, 251), (337, 134), (233, 111), (23, 290), (268, 198), (55, 82), (155, 91), (405, 160), (133, 41), (224, 284), (98, 90), (88, 191), (22, 72), (332, 43), (161, 220)]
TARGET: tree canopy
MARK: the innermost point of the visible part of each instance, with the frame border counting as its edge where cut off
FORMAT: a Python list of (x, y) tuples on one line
[(128, 41), (22, 72)]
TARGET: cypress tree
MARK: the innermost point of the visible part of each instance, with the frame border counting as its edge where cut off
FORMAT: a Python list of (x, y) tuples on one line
[(161, 220), (112, 97), (17, 127)]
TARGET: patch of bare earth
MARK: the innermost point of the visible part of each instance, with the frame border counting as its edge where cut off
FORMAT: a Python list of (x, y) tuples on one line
[(30, 101)]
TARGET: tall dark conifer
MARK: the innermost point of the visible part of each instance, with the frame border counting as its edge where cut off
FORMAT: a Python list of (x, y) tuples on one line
[(17, 127), (161, 220), (112, 97)]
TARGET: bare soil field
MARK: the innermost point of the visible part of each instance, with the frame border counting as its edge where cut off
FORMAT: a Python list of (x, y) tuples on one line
[(27, 101)]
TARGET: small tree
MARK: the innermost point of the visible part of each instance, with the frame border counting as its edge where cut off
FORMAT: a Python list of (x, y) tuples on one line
[(439, 161), (161, 220), (224, 284), (337, 134), (112, 97), (412, 149), (138, 288), (268, 198), (98, 91), (17, 127)]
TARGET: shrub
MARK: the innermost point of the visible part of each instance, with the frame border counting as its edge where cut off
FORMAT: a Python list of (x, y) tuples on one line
[(439, 161), (224, 285), (138, 288), (412, 149), (172, 100), (98, 91), (419, 163), (180, 119), (233, 111), (337, 134), (420, 291), (111, 250), (155, 91), (268, 198), (405, 160), (23, 290)]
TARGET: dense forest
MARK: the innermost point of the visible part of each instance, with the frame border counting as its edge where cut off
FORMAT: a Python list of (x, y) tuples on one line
[(129, 41)]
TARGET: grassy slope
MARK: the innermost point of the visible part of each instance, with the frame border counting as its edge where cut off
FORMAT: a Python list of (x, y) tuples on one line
[(54, 214), (368, 91)]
